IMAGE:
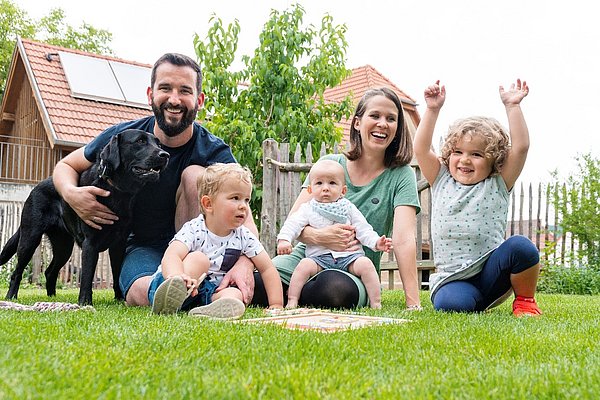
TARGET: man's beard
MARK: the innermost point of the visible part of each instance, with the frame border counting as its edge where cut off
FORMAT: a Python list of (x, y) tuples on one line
[(173, 130)]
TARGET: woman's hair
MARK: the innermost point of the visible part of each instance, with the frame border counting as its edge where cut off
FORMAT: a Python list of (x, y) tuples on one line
[(489, 129), (214, 177), (400, 151)]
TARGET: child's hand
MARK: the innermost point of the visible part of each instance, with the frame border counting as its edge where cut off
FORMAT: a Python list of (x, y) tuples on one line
[(384, 244), (435, 96), (515, 94), (190, 283), (284, 247)]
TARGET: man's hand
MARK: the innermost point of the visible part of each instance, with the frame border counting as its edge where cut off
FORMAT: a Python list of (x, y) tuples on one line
[(240, 275), (84, 203)]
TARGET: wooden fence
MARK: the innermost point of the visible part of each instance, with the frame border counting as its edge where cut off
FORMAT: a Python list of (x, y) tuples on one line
[(531, 215), (10, 219)]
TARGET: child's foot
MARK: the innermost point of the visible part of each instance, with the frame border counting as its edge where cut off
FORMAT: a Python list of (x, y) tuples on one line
[(169, 296), (291, 305), (224, 308), (376, 306), (525, 307)]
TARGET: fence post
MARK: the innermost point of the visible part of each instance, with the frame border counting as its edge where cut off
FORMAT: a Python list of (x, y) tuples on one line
[(268, 214)]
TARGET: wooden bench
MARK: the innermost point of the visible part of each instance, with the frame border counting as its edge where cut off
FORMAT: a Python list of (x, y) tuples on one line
[(424, 269)]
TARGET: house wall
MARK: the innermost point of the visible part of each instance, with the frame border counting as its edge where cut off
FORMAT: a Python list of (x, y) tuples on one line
[(25, 153)]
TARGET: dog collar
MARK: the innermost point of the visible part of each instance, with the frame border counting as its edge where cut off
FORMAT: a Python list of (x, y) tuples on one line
[(102, 171)]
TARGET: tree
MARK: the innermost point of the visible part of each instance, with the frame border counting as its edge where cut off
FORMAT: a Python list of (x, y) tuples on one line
[(279, 93), (51, 29)]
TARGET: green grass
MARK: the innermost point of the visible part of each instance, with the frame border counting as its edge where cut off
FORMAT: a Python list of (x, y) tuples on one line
[(120, 352)]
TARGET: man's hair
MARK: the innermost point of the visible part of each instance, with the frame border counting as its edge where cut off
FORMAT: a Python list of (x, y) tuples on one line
[(490, 130), (179, 60), (400, 151), (214, 177)]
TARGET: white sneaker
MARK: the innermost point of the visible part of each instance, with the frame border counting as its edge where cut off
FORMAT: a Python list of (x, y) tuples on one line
[(169, 296), (223, 308)]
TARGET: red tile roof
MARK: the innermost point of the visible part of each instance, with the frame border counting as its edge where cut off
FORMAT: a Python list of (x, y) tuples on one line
[(74, 121)]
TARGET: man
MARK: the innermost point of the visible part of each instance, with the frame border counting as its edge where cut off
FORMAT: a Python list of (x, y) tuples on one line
[(161, 208)]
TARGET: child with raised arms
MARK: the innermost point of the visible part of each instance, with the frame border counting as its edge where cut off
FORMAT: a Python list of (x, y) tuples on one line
[(470, 186)]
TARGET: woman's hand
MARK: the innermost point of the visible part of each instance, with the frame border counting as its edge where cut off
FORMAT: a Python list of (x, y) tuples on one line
[(337, 237)]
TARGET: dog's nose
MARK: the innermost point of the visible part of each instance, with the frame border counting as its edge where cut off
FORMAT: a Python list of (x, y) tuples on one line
[(163, 154)]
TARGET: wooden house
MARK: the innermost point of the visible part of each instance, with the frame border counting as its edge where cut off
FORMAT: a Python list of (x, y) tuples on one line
[(42, 118)]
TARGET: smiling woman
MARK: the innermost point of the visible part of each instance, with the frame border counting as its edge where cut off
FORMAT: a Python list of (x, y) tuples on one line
[(382, 185)]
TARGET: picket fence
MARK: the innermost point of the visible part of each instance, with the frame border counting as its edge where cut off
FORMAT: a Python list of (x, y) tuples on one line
[(531, 214)]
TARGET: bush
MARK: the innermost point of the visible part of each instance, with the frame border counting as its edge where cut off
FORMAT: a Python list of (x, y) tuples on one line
[(578, 205), (574, 280)]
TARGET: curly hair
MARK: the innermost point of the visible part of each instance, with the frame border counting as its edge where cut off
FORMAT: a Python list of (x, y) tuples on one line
[(214, 177), (400, 151), (490, 130)]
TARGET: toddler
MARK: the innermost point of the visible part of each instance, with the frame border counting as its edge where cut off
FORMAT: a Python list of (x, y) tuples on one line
[(470, 186)]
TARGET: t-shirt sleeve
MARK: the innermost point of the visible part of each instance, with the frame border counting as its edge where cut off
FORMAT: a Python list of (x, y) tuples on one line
[(210, 149), (252, 246), (188, 234)]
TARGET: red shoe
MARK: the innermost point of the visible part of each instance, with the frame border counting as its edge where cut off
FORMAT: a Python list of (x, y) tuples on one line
[(525, 307)]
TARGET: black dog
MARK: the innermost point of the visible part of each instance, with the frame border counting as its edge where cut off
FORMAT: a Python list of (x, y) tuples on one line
[(131, 159)]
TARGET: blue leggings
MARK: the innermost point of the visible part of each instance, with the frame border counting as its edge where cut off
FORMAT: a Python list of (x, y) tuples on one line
[(515, 255)]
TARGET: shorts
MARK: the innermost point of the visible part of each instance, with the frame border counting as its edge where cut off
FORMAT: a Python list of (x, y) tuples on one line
[(285, 265), (140, 261), (327, 261), (204, 296)]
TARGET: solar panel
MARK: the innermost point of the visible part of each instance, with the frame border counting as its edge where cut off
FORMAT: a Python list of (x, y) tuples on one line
[(107, 81), (133, 80)]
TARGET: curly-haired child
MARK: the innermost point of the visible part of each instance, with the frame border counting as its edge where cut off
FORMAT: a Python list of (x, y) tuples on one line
[(471, 182)]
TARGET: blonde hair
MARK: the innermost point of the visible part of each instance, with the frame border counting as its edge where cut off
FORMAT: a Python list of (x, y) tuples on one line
[(496, 139), (214, 177)]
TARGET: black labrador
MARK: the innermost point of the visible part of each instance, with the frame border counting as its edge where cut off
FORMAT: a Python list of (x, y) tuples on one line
[(131, 159)]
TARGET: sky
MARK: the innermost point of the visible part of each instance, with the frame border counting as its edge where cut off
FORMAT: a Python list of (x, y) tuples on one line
[(471, 46)]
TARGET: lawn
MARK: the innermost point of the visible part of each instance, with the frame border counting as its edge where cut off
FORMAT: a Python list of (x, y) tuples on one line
[(120, 352)]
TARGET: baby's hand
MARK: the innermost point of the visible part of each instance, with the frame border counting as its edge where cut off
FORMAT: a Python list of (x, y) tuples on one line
[(284, 247), (435, 96), (515, 94), (384, 244)]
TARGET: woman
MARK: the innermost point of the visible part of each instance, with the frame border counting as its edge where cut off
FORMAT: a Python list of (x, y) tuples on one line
[(383, 187)]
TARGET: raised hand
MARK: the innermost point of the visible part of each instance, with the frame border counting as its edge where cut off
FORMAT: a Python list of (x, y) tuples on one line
[(435, 96), (515, 94)]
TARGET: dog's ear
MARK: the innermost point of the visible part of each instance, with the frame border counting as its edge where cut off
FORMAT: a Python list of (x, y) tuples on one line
[(110, 157)]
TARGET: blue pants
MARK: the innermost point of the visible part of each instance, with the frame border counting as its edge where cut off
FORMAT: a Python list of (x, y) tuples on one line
[(515, 255), (140, 261)]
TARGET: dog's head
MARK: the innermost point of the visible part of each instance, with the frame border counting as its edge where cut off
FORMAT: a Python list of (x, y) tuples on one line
[(131, 159)]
